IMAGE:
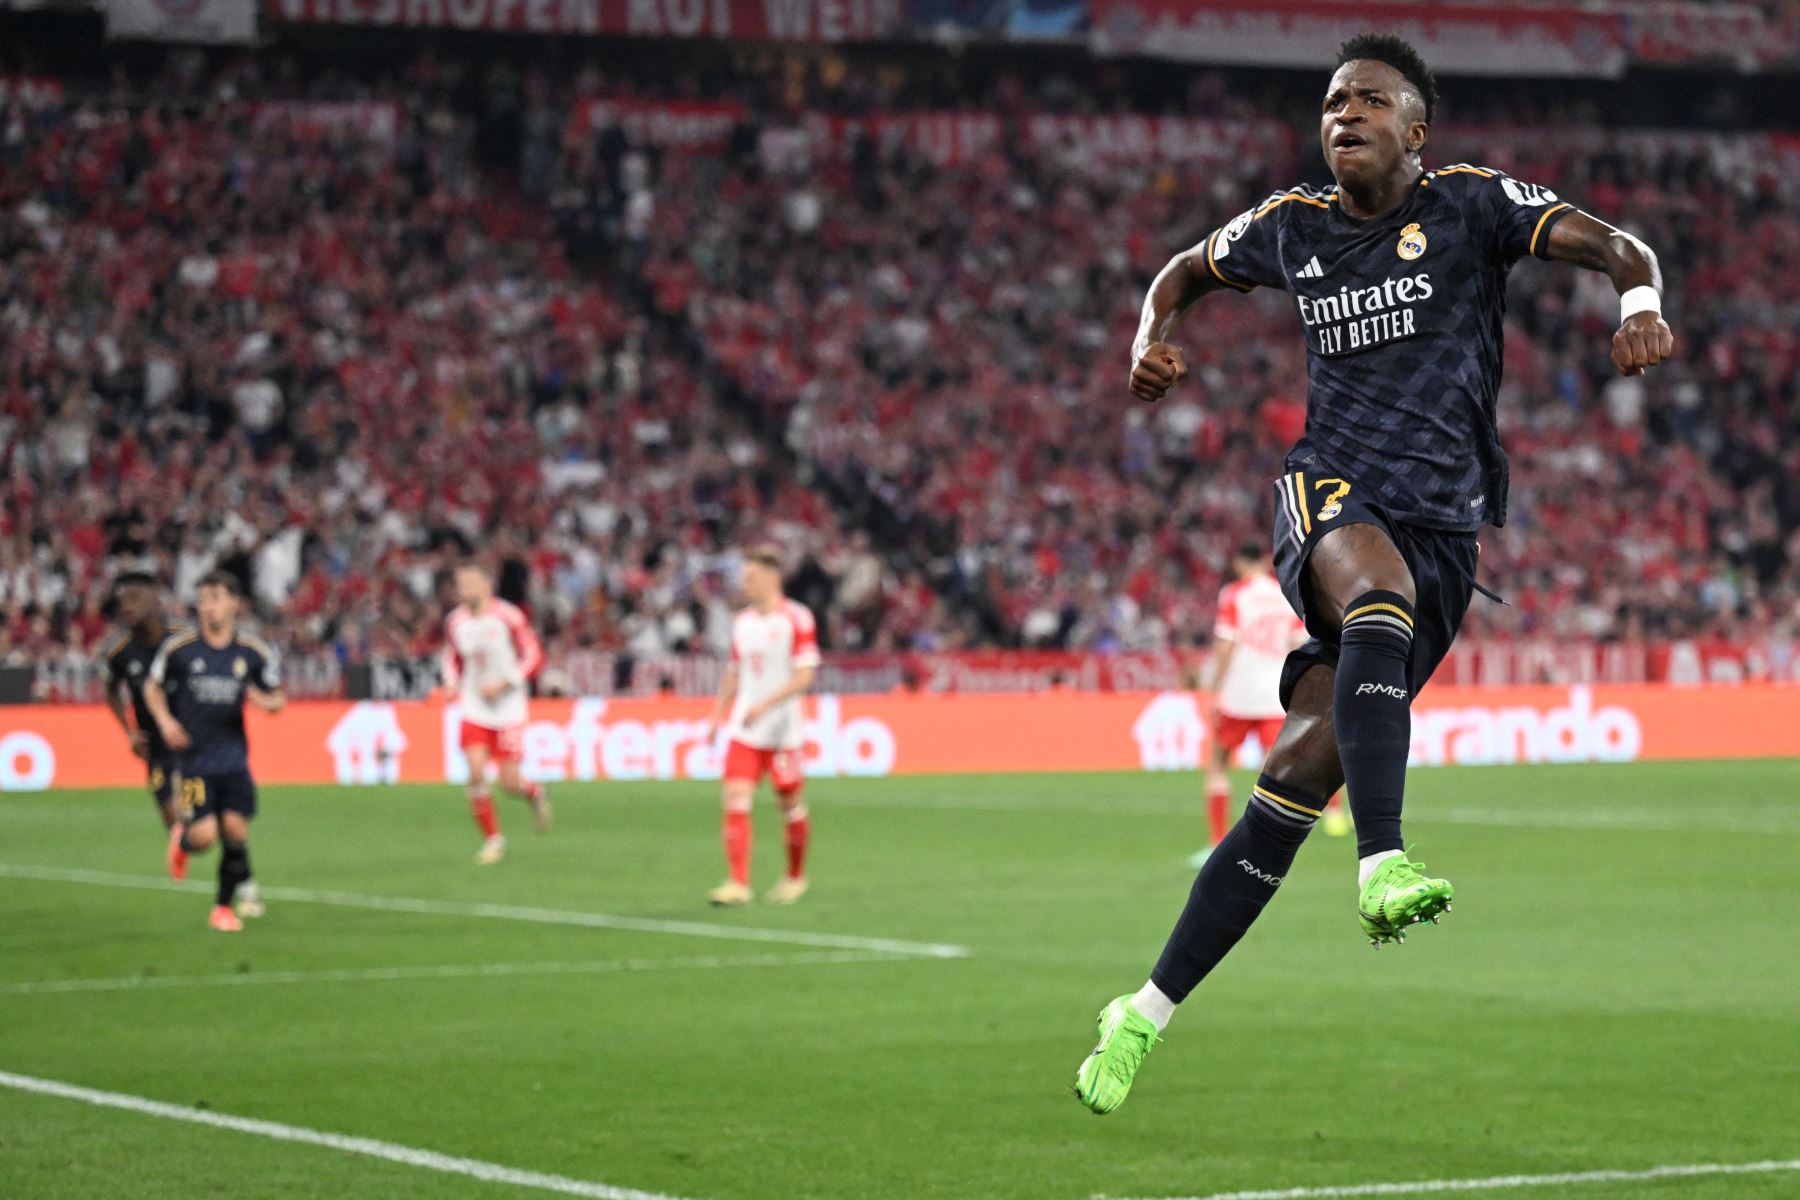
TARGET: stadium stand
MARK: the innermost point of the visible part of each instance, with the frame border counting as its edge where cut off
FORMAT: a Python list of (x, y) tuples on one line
[(614, 361)]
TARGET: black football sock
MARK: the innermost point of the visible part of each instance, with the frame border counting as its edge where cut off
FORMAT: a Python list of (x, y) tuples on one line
[(1372, 708), (234, 868), (1238, 880)]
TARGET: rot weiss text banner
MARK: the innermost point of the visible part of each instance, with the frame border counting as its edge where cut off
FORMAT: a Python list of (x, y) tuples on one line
[(774, 20), (375, 743)]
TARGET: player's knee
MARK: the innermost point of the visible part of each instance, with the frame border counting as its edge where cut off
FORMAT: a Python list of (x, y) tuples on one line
[(1354, 561), (737, 796), (201, 834), (235, 827)]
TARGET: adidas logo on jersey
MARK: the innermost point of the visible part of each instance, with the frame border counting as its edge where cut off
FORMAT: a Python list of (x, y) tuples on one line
[(1311, 270)]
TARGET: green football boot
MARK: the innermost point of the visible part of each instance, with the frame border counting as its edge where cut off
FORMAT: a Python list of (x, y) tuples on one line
[(1399, 894), (1126, 1035)]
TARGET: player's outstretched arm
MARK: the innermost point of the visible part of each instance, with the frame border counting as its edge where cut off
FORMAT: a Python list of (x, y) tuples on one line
[(1156, 365), (1644, 338)]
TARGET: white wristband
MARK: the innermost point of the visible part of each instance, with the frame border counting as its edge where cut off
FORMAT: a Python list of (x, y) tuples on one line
[(1642, 298)]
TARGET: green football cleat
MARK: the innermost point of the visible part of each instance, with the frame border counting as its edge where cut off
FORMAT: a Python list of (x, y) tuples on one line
[(1126, 1035), (1399, 894)]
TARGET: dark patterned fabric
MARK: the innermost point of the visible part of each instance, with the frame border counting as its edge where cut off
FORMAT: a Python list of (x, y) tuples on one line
[(206, 686), (1402, 317), (128, 663)]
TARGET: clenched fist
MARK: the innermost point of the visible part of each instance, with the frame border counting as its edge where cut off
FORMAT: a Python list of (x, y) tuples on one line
[(1642, 341), (1159, 368)]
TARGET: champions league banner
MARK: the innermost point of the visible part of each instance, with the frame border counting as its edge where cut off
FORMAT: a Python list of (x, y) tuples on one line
[(208, 21)]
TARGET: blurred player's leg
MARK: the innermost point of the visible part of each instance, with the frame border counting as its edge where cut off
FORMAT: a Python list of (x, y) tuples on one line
[(164, 788), (234, 864), (743, 771), (512, 778), (178, 851), (481, 804), (1218, 789), (796, 827), (192, 824), (1231, 891)]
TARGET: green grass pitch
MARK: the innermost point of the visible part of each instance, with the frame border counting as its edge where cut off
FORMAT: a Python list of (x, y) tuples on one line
[(1618, 988)]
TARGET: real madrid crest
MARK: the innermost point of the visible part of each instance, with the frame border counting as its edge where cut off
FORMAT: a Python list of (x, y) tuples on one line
[(239, 667), (1412, 242)]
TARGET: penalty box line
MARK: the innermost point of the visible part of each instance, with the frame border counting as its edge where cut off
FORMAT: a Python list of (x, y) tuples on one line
[(603, 966), (509, 912), (429, 1160), (1432, 1187)]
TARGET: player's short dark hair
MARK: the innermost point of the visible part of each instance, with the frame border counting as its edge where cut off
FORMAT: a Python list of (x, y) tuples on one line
[(1250, 548), (221, 579), (766, 553), (1399, 54), (470, 563), (133, 579)]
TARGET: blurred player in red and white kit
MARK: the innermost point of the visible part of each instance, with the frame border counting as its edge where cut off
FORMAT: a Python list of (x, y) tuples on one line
[(490, 652), (774, 655), (1256, 628)]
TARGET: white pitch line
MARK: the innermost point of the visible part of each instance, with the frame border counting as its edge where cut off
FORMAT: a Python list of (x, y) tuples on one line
[(134, 983), (1624, 822), (430, 1160), (1498, 1182), (508, 912), (1422, 811)]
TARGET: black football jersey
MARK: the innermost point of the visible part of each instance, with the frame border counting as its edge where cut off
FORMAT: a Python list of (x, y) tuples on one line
[(205, 685), (128, 664), (1402, 315)]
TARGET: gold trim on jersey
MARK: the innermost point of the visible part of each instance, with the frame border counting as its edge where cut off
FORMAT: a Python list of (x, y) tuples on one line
[(1215, 266), (1460, 169), (256, 644), (1278, 201), (1532, 249), (176, 643)]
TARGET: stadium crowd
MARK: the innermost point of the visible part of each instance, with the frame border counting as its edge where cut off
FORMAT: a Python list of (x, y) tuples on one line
[(320, 348), (956, 338), (336, 349)]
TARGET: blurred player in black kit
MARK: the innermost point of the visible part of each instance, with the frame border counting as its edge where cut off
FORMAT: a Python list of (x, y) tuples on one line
[(199, 683), (138, 604)]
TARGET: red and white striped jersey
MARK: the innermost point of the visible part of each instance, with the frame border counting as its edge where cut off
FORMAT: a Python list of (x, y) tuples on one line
[(496, 644), (767, 648), (1255, 617)]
